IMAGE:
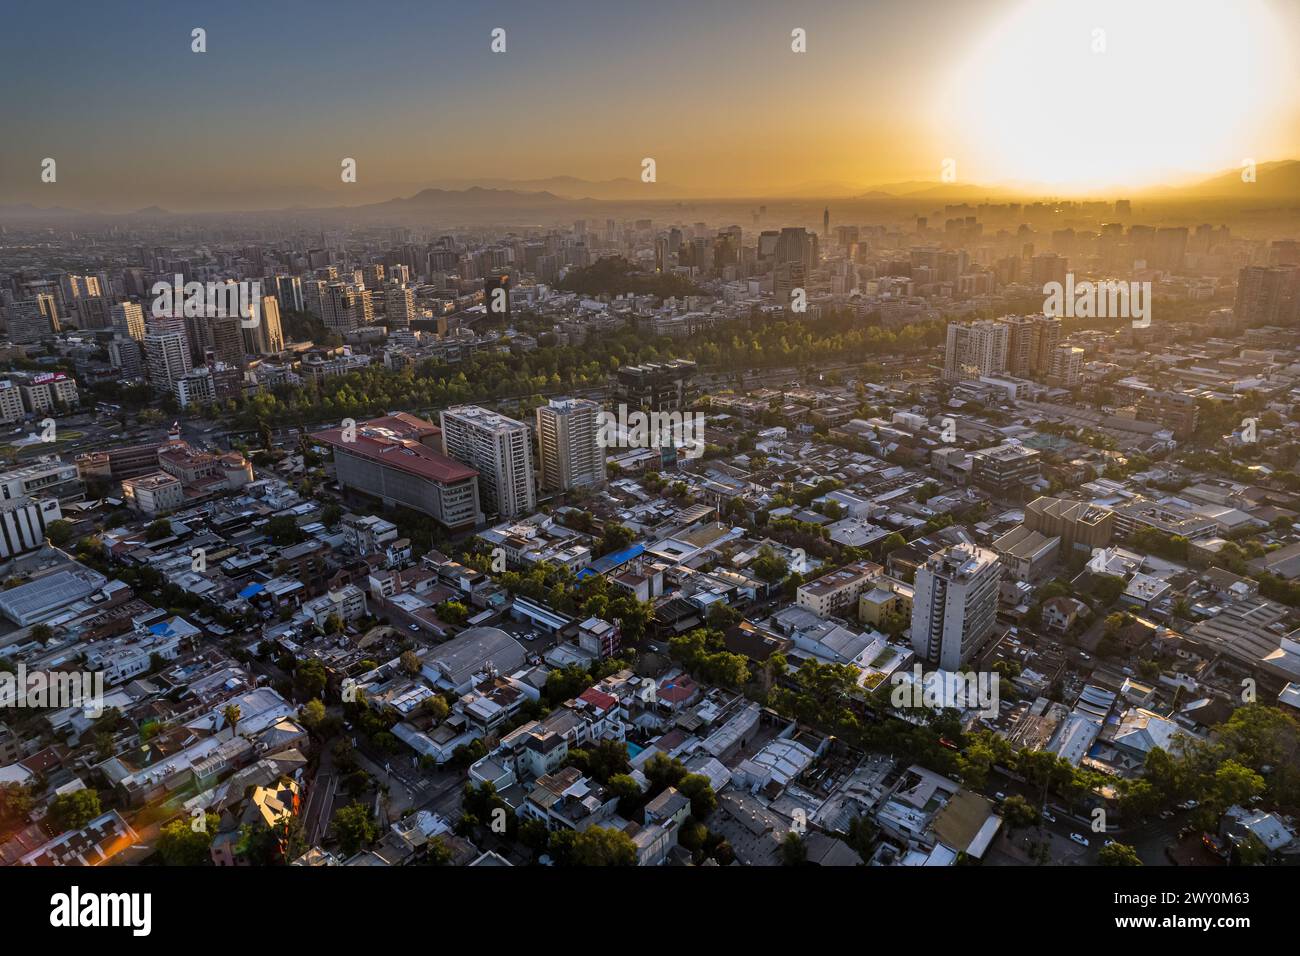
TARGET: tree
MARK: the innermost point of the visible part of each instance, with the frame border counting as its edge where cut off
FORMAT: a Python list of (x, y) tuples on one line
[(603, 846), (312, 714), (410, 662), (1118, 854), (769, 566), (793, 850), (628, 792), (662, 772), (861, 836), (721, 617), (310, 677), (181, 845), (616, 537), (232, 713), (437, 853), (72, 811), (453, 612), (158, 530), (1018, 812), (59, 532), (699, 791), (608, 758), (283, 529), (436, 707), (1139, 799), (16, 801), (354, 827)]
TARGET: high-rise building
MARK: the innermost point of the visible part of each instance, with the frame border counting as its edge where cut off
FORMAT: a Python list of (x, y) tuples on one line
[(399, 306), (569, 450), (267, 337), (31, 320), (500, 449), (225, 339), (1046, 268), (496, 295), (1031, 344), (345, 307), (11, 402), (126, 355), (976, 348), (288, 292), (128, 320), (1268, 295), (955, 605), (167, 357), (1067, 366)]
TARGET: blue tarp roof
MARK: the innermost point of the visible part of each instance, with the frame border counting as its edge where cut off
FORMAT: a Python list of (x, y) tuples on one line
[(250, 590), (611, 561)]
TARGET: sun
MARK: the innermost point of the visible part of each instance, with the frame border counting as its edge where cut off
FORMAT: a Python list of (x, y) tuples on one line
[(1080, 96)]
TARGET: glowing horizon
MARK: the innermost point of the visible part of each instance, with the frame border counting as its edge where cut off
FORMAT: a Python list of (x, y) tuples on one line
[(1009, 89)]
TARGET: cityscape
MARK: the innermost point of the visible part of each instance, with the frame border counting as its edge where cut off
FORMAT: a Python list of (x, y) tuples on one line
[(505, 478)]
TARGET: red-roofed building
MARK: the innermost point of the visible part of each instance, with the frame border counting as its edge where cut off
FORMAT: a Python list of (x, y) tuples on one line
[(378, 461), (598, 700), (678, 692)]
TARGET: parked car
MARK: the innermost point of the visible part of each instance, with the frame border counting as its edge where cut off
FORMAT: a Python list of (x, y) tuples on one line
[(1048, 817), (1079, 838), (999, 796)]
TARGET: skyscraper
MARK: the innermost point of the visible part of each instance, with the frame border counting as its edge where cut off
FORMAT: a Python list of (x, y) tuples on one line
[(167, 357), (569, 451), (978, 348), (399, 306), (1268, 295), (500, 449), (955, 604), (288, 292), (267, 337)]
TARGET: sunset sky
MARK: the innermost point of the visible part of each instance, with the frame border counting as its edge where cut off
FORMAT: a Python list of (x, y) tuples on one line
[(1010, 89)]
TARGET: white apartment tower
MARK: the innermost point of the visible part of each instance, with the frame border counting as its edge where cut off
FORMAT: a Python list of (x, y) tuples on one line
[(978, 348), (167, 357), (500, 449), (569, 452), (955, 605)]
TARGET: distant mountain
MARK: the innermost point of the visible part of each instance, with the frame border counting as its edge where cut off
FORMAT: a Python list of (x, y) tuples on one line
[(474, 196), (1274, 181), (505, 201), (571, 187)]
